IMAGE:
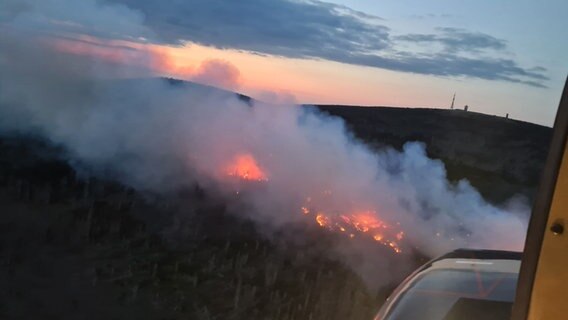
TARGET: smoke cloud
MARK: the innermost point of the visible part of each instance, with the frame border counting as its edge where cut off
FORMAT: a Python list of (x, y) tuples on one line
[(155, 136), (218, 73)]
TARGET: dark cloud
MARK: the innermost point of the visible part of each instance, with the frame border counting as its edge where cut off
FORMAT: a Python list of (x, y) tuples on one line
[(431, 16), (346, 9), (442, 64), (279, 27), (456, 40), (57, 17), (320, 30)]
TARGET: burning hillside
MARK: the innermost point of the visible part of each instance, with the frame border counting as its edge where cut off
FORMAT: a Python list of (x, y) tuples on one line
[(155, 136), (365, 223)]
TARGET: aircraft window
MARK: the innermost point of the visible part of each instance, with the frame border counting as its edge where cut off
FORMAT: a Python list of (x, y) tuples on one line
[(441, 292)]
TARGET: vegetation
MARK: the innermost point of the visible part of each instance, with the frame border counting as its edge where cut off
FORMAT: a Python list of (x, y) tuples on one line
[(74, 246)]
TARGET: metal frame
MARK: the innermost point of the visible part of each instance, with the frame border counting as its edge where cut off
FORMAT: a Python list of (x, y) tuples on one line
[(540, 212)]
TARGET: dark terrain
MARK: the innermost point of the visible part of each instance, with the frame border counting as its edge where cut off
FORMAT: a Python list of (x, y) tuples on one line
[(79, 247), (500, 157), (82, 248)]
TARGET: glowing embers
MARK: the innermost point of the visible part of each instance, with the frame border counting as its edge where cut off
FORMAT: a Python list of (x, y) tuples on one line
[(365, 224), (245, 167), (353, 224)]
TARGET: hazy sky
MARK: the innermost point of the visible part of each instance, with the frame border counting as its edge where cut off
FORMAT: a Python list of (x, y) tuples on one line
[(498, 56)]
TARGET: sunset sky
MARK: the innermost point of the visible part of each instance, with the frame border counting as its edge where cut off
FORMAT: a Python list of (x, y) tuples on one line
[(497, 56)]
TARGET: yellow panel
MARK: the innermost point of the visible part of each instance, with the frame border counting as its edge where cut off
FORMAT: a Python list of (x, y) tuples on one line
[(549, 298)]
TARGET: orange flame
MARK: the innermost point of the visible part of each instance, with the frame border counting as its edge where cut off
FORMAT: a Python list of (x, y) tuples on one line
[(245, 167), (365, 222), (323, 220)]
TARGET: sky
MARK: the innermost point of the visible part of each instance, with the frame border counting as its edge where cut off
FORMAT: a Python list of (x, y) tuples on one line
[(498, 57)]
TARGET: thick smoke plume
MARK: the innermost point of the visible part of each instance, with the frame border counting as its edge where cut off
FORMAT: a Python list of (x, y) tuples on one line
[(153, 135)]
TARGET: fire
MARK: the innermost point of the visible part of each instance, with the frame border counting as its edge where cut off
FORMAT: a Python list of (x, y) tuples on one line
[(245, 167), (323, 221), (353, 224), (365, 223)]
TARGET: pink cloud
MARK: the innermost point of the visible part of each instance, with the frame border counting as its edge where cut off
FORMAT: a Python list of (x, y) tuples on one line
[(214, 72), (218, 73)]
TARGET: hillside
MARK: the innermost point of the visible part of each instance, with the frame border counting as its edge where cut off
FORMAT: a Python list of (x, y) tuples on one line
[(501, 157), (75, 246)]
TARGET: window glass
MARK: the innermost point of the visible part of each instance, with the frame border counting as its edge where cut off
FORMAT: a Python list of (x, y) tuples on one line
[(436, 293)]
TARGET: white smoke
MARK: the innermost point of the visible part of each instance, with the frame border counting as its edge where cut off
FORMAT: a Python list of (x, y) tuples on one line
[(155, 136)]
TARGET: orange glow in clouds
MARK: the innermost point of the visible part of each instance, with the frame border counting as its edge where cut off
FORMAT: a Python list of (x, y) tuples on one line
[(125, 53), (260, 76), (268, 78)]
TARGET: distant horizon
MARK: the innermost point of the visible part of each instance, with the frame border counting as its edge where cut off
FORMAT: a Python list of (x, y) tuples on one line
[(458, 108), (435, 108)]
